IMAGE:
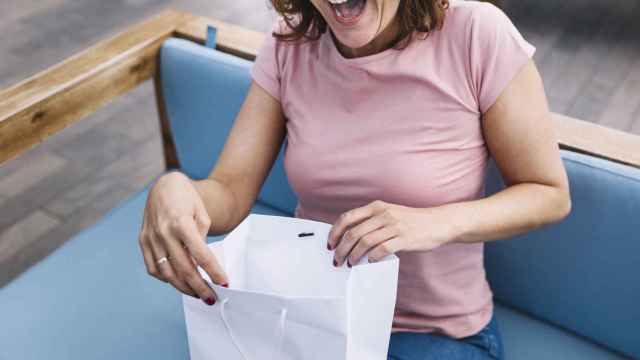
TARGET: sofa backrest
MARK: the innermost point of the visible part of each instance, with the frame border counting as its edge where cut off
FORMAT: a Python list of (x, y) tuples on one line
[(582, 273), (203, 90)]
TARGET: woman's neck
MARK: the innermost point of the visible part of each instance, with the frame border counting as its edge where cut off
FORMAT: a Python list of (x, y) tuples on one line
[(384, 40)]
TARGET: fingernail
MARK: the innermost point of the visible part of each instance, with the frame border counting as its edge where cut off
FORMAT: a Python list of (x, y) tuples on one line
[(348, 265), (335, 263), (225, 285), (209, 301), (328, 246)]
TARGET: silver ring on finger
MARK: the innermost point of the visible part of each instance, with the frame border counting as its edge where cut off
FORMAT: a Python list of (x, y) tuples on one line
[(163, 259)]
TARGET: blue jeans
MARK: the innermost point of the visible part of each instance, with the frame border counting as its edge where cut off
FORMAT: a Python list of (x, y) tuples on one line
[(486, 344)]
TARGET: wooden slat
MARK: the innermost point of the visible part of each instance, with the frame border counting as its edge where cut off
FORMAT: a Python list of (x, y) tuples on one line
[(573, 134), (33, 109), (597, 140)]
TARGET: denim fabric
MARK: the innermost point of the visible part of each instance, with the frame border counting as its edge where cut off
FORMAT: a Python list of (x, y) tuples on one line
[(486, 344)]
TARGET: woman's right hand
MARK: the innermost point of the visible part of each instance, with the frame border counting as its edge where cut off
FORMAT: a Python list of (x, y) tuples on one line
[(175, 227)]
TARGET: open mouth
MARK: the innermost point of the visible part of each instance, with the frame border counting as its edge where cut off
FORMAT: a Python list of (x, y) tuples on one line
[(347, 11)]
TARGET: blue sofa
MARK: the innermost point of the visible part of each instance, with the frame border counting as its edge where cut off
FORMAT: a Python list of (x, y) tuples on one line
[(568, 291)]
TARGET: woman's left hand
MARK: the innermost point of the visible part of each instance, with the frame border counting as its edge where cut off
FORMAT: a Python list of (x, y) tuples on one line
[(380, 228)]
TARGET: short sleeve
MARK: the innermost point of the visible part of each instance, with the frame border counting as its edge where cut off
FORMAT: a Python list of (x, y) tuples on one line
[(497, 53), (265, 70)]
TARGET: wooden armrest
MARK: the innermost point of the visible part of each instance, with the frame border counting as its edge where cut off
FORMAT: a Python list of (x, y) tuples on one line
[(47, 102), (597, 140), (230, 38)]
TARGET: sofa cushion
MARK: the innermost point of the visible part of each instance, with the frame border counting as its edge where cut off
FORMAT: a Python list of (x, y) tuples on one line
[(527, 338), (203, 89), (581, 273), (93, 299)]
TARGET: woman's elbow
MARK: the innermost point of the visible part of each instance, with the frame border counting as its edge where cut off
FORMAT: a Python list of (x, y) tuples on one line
[(561, 204)]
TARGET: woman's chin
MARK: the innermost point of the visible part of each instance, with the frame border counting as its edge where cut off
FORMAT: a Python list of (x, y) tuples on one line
[(360, 30)]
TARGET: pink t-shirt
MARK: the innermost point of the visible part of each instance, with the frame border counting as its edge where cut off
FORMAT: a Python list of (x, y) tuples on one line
[(402, 126)]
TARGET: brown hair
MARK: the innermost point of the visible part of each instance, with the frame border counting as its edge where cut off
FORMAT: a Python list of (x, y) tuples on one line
[(305, 21)]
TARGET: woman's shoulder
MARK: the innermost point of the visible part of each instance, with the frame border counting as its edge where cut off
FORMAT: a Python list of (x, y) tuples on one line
[(474, 16), (281, 27), (475, 24), (286, 50), (469, 10)]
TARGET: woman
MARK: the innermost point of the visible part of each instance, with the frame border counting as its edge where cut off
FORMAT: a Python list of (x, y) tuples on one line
[(392, 108)]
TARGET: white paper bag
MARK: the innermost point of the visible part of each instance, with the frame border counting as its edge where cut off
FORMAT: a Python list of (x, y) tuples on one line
[(286, 300)]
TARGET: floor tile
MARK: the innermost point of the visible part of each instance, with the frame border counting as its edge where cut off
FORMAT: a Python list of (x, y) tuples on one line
[(23, 233)]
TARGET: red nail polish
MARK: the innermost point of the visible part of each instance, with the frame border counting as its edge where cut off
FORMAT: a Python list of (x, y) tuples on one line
[(335, 263), (328, 246), (225, 285), (348, 265), (209, 301)]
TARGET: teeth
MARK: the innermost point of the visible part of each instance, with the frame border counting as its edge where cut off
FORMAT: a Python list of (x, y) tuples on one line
[(336, 2)]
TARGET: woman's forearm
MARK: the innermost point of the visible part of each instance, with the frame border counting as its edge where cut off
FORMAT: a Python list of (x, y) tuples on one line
[(512, 211), (221, 204)]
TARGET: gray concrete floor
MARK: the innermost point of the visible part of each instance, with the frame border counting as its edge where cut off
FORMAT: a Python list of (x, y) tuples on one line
[(588, 52)]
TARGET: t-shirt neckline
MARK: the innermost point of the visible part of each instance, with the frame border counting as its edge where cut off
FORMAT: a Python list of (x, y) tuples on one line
[(326, 37)]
